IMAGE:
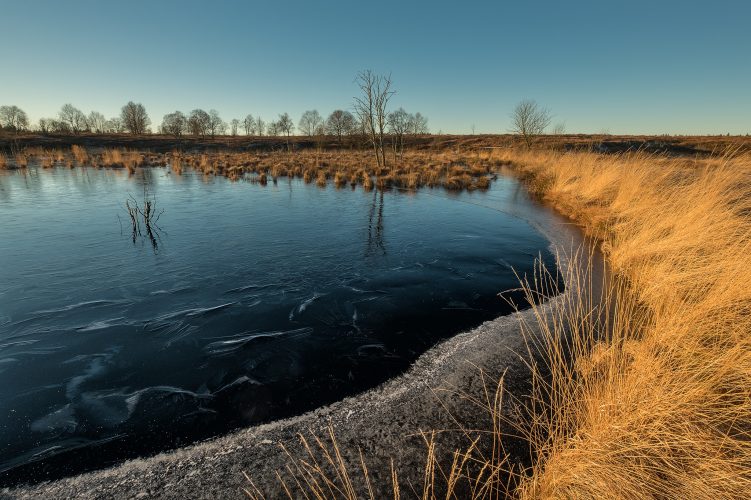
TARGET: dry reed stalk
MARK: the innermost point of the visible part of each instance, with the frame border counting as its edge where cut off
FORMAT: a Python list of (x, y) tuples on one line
[(80, 154)]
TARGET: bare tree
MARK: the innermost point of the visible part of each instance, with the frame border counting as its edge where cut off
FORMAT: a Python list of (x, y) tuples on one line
[(418, 124), (134, 117), (340, 123), (14, 118), (371, 109), (45, 125), (175, 124), (285, 126), (260, 126), (216, 124), (59, 127), (529, 120), (273, 129), (95, 122), (114, 126), (198, 122), (310, 122), (399, 122), (559, 128), (249, 125), (234, 124), (73, 118)]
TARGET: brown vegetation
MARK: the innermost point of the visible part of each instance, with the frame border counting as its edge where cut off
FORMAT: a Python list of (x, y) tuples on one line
[(659, 405)]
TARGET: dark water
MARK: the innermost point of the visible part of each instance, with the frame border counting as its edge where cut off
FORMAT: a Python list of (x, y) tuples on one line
[(258, 303)]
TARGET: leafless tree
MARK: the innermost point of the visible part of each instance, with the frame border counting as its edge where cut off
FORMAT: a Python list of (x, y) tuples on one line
[(249, 125), (14, 118), (114, 126), (216, 124), (529, 120), (73, 118), (399, 122), (418, 124), (559, 128), (134, 117), (340, 123), (260, 126), (310, 123), (198, 122), (285, 126), (45, 125), (175, 124), (234, 124), (95, 122), (58, 126), (273, 129), (371, 109)]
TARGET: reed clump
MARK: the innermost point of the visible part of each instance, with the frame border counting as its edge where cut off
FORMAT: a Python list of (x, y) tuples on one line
[(80, 154), (22, 159), (659, 404), (112, 157), (132, 160), (176, 163), (3, 161), (413, 170)]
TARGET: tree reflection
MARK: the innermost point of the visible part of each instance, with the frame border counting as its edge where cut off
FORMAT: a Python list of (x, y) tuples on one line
[(375, 228)]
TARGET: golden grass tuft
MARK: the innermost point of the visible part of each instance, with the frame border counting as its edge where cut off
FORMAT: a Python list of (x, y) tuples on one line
[(132, 160), (3, 161), (112, 158), (22, 160), (658, 404), (80, 154)]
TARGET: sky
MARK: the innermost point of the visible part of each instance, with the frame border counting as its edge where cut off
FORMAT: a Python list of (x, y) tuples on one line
[(623, 67)]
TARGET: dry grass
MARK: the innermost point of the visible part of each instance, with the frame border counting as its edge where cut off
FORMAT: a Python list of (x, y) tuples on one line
[(3, 161), (80, 154), (658, 404), (112, 158), (22, 160), (449, 169), (643, 393)]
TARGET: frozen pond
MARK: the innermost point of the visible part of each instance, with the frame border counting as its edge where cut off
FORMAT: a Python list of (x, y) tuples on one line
[(251, 303)]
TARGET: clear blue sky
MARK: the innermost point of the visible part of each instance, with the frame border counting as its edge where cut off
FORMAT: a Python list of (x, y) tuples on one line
[(627, 67)]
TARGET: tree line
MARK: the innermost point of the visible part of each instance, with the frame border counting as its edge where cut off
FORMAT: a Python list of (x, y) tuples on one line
[(135, 120)]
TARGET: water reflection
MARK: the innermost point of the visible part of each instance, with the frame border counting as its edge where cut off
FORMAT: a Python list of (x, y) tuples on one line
[(375, 229)]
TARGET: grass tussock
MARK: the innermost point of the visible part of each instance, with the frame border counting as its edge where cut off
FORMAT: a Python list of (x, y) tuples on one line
[(658, 403), (80, 154), (3, 161), (22, 159), (452, 170)]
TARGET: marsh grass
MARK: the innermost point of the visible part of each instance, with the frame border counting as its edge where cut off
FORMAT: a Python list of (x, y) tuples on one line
[(3, 161), (451, 170), (112, 157), (644, 391), (22, 159), (80, 154), (662, 406)]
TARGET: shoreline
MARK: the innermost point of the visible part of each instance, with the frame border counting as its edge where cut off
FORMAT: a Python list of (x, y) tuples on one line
[(383, 422)]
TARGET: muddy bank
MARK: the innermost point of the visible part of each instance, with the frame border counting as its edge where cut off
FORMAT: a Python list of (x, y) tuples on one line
[(383, 422)]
